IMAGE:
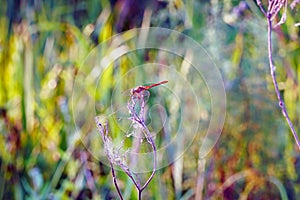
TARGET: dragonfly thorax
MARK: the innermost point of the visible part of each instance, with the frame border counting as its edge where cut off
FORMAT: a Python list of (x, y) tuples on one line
[(137, 90)]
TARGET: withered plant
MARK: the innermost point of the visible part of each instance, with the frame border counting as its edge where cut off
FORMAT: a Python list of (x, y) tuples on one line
[(136, 108), (274, 6)]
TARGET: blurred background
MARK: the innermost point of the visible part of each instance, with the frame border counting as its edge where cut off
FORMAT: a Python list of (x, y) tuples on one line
[(44, 43)]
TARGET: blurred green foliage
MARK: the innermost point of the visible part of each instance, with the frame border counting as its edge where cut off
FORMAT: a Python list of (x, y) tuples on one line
[(42, 45)]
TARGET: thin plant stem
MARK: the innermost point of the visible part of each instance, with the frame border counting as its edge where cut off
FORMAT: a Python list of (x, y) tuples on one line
[(133, 180), (150, 140), (273, 75), (115, 181), (269, 17), (112, 168), (258, 2), (140, 120), (140, 190)]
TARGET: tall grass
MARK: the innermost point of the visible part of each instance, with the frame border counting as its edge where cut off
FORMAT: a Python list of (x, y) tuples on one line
[(44, 43)]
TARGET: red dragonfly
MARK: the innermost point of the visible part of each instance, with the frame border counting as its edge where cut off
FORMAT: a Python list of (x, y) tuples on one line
[(138, 97), (139, 90)]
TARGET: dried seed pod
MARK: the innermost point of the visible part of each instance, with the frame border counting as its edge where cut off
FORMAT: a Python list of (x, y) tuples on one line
[(275, 6)]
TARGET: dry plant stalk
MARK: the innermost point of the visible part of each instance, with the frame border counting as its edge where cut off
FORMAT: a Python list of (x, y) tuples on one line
[(273, 8), (136, 108)]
